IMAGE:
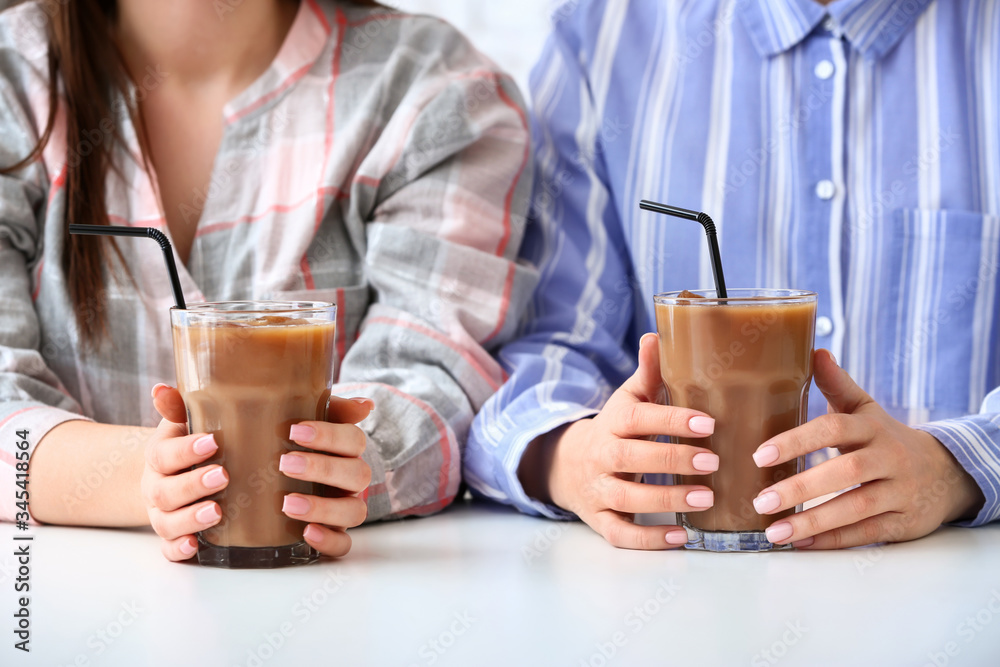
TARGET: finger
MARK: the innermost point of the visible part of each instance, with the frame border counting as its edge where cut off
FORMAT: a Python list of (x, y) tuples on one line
[(833, 430), (626, 535), (851, 507), (352, 475), (185, 521), (175, 491), (842, 393), (880, 528), (170, 455), (643, 456), (837, 474), (340, 512), (169, 404), (180, 549), (348, 410), (637, 420), (638, 498), (646, 385), (328, 541), (339, 439)]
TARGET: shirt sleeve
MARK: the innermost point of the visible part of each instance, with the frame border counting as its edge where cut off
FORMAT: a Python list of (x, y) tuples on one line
[(571, 353), (32, 399), (441, 256), (974, 441)]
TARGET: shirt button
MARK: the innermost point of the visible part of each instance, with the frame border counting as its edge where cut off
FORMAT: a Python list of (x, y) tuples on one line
[(824, 326), (826, 189), (824, 69), (828, 24)]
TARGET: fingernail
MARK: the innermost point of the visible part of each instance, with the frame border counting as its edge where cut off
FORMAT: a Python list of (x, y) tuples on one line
[(363, 401), (833, 358), (188, 547), (700, 499), (705, 462), (312, 533), (157, 389), (779, 532), (702, 425), (802, 544), (677, 537), (295, 505), (766, 502), (642, 341), (205, 445), (292, 463), (207, 514), (302, 433), (765, 455), (214, 478)]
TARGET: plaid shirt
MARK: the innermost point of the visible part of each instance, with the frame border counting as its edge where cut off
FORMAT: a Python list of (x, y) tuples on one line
[(380, 163)]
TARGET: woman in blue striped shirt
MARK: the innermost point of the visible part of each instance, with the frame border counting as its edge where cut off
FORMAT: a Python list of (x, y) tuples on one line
[(850, 149)]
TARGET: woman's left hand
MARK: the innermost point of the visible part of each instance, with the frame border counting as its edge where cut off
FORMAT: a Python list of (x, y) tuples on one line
[(909, 482), (335, 461)]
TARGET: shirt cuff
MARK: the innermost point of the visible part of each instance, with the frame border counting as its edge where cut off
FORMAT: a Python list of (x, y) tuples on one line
[(975, 443), (531, 426), (28, 424)]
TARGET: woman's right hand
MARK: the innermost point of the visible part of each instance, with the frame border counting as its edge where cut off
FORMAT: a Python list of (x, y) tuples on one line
[(592, 467), (170, 490)]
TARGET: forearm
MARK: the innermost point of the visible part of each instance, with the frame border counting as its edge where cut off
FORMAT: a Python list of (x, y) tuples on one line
[(87, 474)]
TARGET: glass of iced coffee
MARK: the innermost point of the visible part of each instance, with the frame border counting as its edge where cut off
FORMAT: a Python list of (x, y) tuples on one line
[(248, 371), (745, 360)]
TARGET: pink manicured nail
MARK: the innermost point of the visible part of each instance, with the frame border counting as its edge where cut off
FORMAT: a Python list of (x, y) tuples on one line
[(700, 499), (705, 462), (802, 544), (642, 341), (765, 455), (292, 463), (214, 478), (207, 514), (702, 425), (766, 502), (677, 537), (188, 547), (312, 533), (363, 401), (833, 359), (295, 505), (302, 433), (157, 389), (779, 532), (205, 445)]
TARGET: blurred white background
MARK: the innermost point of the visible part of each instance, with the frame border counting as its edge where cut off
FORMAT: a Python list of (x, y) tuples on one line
[(511, 32)]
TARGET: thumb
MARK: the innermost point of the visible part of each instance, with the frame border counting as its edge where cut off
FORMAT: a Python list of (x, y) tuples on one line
[(169, 404), (348, 410), (646, 384), (842, 393)]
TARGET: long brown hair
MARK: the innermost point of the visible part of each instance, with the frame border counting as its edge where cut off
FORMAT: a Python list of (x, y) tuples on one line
[(82, 54)]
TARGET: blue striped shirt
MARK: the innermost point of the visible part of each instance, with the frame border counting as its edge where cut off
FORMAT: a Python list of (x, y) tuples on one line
[(852, 150)]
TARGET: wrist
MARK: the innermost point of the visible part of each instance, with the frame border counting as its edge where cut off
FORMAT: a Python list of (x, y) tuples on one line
[(542, 465), (963, 498)]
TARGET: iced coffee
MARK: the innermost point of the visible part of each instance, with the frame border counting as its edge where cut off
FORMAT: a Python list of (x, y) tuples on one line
[(247, 372), (746, 361)]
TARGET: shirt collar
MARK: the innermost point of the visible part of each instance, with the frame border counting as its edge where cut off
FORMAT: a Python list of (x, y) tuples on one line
[(300, 50), (872, 27)]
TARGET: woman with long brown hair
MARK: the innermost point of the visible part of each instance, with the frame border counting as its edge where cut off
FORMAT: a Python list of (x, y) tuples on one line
[(322, 150)]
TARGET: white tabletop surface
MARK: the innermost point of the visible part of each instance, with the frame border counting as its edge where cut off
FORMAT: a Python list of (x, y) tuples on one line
[(483, 585)]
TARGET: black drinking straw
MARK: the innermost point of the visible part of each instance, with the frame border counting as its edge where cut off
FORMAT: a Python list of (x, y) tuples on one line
[(713, 239), (147, 232)]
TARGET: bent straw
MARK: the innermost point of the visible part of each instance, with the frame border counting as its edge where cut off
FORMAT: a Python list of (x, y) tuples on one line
[(148, 232), (713, 239)]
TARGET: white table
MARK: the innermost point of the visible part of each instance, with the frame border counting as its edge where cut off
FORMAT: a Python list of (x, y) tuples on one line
[(482, 585)]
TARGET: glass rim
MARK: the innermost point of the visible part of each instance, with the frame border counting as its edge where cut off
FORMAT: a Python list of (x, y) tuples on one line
[(269, 307), (744, 296)]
